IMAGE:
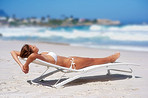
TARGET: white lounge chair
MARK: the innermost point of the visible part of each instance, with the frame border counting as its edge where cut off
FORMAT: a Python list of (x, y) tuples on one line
[(81, 71)]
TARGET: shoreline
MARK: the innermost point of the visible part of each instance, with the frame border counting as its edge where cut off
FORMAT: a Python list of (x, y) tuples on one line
[(101, 47), (13, 82)]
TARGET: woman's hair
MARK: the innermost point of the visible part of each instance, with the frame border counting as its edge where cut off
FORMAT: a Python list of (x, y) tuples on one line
[(26, 51)]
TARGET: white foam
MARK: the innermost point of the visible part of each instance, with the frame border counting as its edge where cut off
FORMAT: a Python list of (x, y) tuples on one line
[(95, 28), (125, 33), (130, 28)]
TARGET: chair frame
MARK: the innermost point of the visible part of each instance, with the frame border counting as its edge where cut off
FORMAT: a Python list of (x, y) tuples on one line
[(81, 71)]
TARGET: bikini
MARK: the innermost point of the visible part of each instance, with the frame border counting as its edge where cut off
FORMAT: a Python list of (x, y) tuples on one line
[(72, 64), (52, 54)]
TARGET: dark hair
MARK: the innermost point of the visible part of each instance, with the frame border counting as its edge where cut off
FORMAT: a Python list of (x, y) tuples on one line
[(26, 51)]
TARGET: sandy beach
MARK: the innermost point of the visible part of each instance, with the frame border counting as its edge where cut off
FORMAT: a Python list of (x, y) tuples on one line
[(13, 82)]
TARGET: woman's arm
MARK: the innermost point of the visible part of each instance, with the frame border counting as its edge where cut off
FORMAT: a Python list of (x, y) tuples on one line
[(24, 68), (30, 59), (15, 55)]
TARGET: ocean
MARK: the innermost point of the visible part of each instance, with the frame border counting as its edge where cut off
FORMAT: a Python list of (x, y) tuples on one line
[(122, 37)]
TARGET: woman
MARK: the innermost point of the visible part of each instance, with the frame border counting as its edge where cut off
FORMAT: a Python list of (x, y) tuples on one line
[(31, 53)]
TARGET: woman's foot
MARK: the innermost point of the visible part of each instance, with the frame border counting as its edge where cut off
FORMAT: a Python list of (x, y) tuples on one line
[(114, 57)]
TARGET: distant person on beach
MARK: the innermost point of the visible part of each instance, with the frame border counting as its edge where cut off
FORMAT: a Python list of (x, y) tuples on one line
[(31, 53)]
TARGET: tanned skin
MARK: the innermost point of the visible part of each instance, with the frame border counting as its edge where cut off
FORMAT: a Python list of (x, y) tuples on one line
[(80, 62)]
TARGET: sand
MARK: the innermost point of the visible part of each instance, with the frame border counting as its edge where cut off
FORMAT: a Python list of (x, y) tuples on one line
[(13, 82)]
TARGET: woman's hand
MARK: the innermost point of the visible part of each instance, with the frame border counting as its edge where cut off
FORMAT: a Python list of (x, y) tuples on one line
[(25, 69)]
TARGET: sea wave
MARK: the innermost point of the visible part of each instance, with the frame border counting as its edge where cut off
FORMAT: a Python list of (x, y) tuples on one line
[(123, 28), (123, 33), (126, 35)]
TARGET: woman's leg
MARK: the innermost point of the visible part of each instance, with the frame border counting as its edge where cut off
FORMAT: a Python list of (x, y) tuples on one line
[(81, 62), (109, 59)]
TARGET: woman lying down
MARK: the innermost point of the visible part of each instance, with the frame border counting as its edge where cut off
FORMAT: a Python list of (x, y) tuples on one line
[(31, 53)]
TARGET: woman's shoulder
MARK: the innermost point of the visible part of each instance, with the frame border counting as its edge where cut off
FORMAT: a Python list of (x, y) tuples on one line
[(33, 55), (44, 52)]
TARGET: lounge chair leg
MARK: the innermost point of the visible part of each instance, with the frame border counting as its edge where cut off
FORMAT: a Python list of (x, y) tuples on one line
[(66, 81), (59, 79), (133, 75), (108, 72), (131, 71), (44, 76)]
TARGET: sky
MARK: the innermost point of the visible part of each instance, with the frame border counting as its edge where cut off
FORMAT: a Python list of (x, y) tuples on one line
[(126, 11)]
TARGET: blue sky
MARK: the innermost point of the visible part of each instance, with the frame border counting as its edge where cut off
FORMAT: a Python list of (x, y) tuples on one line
[(127, 11)]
